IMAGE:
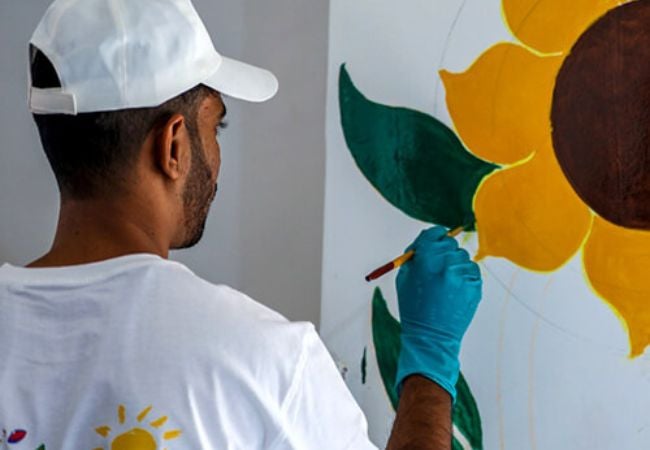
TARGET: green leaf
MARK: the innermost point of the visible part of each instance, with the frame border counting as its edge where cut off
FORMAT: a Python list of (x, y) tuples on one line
[(466, 415), (455, 445), (415, 161), (386, 337)]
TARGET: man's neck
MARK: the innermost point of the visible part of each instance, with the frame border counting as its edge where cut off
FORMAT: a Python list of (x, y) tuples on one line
[(92, 231)]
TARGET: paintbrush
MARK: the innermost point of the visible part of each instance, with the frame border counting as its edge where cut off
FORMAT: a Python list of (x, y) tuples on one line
[(399, 261)]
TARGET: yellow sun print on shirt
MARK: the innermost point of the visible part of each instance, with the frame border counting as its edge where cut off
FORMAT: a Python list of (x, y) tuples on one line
[(138, 437)]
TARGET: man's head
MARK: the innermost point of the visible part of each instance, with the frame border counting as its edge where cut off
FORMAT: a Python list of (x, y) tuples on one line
[(127, 100), (101, 156)]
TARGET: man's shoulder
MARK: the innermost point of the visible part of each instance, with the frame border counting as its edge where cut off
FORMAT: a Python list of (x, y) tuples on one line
[(225, 331), (223, 315), (179, 286)]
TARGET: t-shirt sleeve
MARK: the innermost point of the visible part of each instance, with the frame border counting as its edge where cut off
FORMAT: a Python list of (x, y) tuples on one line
[(319, 411)]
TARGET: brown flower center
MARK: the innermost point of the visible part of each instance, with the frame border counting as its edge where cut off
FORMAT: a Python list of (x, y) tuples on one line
[(601, 116)]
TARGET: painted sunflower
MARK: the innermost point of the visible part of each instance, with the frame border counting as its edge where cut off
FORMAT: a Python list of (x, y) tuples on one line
[(565, 113)]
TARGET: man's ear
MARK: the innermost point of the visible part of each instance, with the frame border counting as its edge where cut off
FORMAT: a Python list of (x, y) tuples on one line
[(172, 147)]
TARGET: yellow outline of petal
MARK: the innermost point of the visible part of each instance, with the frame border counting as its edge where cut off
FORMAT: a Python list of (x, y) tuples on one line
[(501, 105)]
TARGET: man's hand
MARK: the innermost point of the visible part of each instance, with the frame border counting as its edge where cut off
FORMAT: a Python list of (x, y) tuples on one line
[(438, 291)]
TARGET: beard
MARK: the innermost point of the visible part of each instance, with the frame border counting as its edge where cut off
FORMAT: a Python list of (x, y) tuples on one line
[(198, 195)]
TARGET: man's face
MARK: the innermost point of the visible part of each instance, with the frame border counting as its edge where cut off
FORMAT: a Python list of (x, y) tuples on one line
[(201, 186)]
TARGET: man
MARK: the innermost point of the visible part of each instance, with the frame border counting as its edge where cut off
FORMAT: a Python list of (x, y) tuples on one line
[(106, 343)]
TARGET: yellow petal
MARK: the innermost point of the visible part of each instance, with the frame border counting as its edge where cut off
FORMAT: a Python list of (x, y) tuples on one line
[(551, 26), (501, 106), (617, 262), (531, 215)]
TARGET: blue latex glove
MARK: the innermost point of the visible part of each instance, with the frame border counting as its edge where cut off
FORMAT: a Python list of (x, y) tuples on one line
[(438, 290)]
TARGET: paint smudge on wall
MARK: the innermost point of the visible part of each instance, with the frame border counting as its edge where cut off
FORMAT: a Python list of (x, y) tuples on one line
[(386, 337)]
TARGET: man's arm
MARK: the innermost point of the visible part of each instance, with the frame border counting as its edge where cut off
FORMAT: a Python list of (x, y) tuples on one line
[(423, 419), (438, 292)]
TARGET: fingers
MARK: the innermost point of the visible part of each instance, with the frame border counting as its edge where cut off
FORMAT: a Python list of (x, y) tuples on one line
[(457, 257), (459, 265), (474, 290), (434, 240), (402, 276), (468, 271), (432, 234), (435, 252)]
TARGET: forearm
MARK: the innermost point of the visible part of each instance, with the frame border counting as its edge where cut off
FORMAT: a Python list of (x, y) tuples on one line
[(423, 419)]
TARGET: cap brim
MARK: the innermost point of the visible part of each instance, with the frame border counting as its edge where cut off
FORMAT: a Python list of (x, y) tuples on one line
[(243, 81)]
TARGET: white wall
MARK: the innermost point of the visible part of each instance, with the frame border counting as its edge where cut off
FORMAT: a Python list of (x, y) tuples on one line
[(265, 230)]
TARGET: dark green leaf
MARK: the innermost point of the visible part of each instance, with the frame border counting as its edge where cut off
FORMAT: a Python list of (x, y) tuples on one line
[(415, 161), (386, 336), (466, 415)]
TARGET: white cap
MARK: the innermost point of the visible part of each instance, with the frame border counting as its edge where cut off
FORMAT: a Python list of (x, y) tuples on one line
[(121, 54)]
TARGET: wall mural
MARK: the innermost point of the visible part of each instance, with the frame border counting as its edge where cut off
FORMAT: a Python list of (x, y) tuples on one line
[(538, 147), (550, 152), (548, 158)]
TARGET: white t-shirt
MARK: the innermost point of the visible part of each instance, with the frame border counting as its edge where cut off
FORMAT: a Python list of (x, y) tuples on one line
[(139, 353)]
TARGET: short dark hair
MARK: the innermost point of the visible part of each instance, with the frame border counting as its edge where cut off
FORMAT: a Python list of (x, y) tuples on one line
[(91, 153)]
